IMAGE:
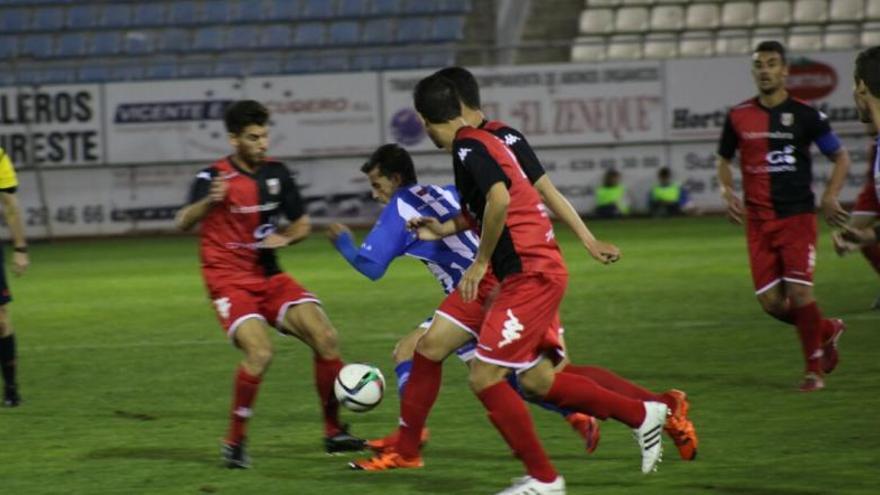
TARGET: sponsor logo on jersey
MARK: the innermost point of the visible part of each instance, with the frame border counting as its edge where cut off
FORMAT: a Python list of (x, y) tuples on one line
[(263, 231), (273, 186), (510, 139), (463, 153), (767, 135), (512, 329), (782, 157), (787, 118)]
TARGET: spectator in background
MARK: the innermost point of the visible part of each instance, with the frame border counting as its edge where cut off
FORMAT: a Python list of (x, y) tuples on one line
[(668, 198), (611, 198)]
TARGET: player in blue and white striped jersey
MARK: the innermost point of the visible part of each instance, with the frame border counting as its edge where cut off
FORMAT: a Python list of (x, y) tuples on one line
[(393, 182)]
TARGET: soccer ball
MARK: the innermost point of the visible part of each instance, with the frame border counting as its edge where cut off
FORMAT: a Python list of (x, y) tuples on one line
[(359, 387)]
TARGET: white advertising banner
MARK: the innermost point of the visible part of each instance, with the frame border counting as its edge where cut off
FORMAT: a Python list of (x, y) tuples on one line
[(552, 105), (699, 92), (52, 125)]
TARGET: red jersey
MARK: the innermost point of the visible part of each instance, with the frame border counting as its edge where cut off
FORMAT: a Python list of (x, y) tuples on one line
[(527, 243), (774, 148), (231, 232)]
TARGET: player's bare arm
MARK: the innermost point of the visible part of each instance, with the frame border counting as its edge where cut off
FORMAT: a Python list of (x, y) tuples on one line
[(12, 212), (859, 237), (735, 211), (193, 213), (336, 230), (603, 252), (432, 229), (494, 217), (834, 214), (292, 233)]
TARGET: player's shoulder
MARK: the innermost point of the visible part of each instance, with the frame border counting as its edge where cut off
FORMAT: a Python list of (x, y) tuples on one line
[(744, 106), (469, 138), (805, 108)]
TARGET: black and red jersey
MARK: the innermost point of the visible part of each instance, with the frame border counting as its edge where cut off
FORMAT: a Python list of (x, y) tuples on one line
[(520, 147), (527, 243), (231, 232), (774, 148)]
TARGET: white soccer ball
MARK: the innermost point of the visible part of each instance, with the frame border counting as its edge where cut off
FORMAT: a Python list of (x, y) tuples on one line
[(359, 387)]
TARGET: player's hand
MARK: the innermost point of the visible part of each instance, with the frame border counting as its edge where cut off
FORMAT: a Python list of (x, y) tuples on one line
[(603, 252), (426, 228), (335, 231), (218, 190), (735, 210), (470, 281), (835, 215), (20, 263), (274, 241), (841, 246), (859, 237)]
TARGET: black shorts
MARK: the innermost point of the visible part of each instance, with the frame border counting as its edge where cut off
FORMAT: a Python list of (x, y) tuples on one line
[(5, 295)]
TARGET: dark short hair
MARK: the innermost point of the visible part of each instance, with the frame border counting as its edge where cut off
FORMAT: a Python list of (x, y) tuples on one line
[(664, 172), (868, 69), (244, 113), (772, 46), (436, 99), (392, 159), (465, 83)]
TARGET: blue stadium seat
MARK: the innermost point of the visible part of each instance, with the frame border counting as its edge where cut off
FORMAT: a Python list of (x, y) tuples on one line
[(208, 39), (161, 69), (36, 45), (82, 16), (442, 57), (183, 13), (8, 47), (419, 7), (149, 14), (413, 29), (265, 66), (284, 10), (71, 45), (352, 8), (309, 34), (456, 6), (318, 9), (7, 78), (215, 12), (27, 76), (251, 11), (115, 15), (128, 72), (57, 75), (174, 40), (275, 36), (14, 20), (333, 63), (385, 7), (48, 19), (377, 31), (367, 61), (448, 28), (298, 63), (94, 73), (242, 37), (402, 61), (229, 68), (344, 33), (138, 43), (195, 69), (106, 43)]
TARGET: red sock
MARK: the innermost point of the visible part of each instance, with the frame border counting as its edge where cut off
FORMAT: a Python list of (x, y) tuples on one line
[(243, 396), (325, 374), (872, 254), (510, 416), (616, 383), (808, 320), (584, 395), (415, 405)]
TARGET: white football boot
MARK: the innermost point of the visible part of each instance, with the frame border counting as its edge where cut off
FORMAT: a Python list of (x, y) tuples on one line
[(530, 486), (648, 435)]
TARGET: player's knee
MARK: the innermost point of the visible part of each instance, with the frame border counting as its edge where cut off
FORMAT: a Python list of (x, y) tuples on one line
[(535, 384), (260, 357), (326, 341), (773, 306), (483, 376), (431, 348)]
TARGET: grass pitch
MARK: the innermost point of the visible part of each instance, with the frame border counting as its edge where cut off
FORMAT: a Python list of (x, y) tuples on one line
[(127, 377)]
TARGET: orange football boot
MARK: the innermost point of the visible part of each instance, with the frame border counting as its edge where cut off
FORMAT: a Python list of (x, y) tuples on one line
[(388, 442), (588, 428), (384, 461), (680, 428)]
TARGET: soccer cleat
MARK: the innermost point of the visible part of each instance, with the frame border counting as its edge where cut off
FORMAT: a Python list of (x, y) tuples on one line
[(812, 382), (830, 355), (385, 461), (588, 428), (389, 441), (680, 428), (234, 456), (530, 486), (344, 442), (11, 397), (649, 435)]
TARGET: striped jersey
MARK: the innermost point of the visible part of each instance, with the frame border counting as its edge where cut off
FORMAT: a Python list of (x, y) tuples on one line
[(447, 259)]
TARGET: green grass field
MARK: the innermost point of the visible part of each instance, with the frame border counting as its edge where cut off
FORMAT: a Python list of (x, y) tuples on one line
[(127, 377)]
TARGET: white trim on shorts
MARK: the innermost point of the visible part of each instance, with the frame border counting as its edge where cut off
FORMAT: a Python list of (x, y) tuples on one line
[(284, 307), (518, 367), (797, 281), (768, 287), (457, 323), (230, 332), (863, 213)]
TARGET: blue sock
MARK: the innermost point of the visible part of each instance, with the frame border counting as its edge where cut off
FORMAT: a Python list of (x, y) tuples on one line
[(402, 372), (514, 382)]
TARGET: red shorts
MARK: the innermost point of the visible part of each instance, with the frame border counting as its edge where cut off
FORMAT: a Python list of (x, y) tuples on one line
[(782, 249), (866, 203), (530, 297), (268, 302)]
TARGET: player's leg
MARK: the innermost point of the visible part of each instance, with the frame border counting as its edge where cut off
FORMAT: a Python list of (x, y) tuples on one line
[(863, 220), (766, 265), (403, 356), (11, 397)]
